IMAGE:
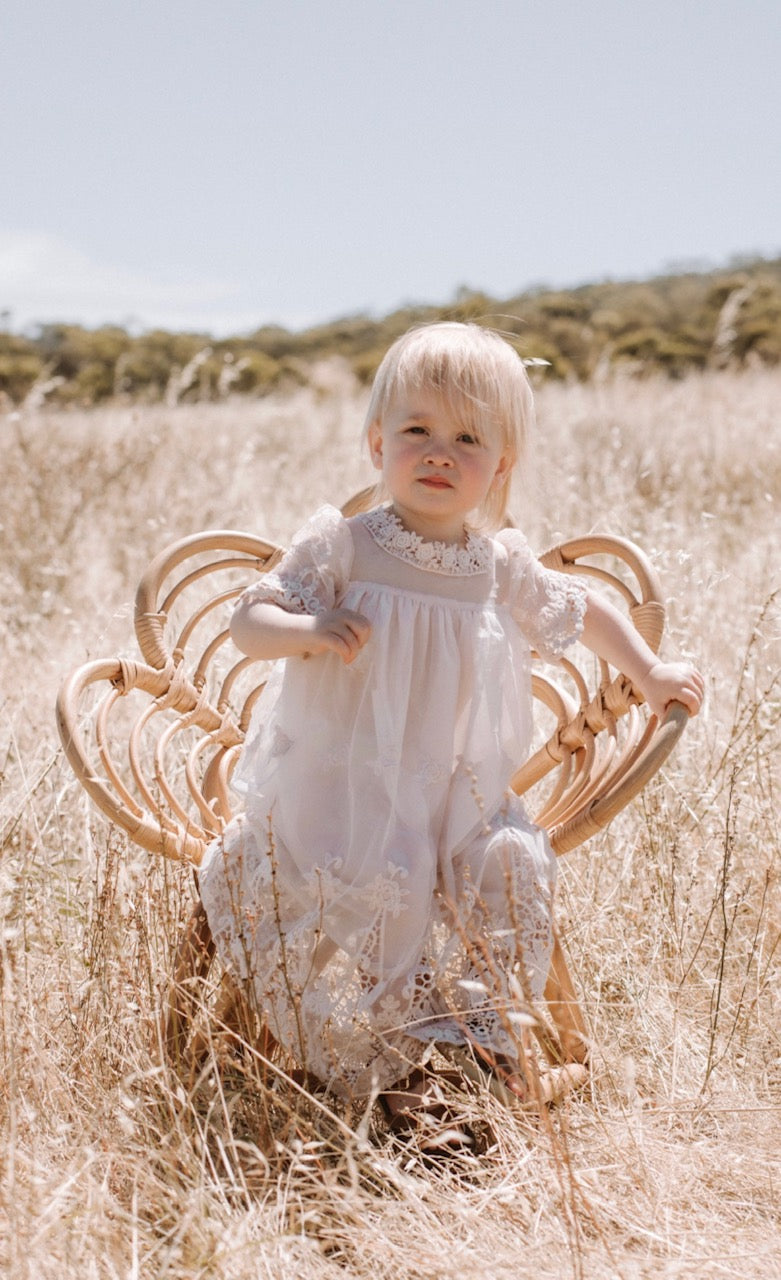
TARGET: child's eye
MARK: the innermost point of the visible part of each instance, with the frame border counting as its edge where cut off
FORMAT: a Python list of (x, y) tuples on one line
[(416, 429), (468, 437)]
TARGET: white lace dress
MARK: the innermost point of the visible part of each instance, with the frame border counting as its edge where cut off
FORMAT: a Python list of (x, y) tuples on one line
[(382, 882)]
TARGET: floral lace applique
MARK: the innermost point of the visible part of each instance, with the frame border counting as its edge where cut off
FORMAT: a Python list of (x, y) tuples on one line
[(548, 605), (560, 623), (386, 893), (331, 1007), (390, 1010), (437, 557), (313, 571), (297, 595)]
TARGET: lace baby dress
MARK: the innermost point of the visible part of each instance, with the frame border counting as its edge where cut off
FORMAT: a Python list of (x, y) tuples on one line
[(382, 881)]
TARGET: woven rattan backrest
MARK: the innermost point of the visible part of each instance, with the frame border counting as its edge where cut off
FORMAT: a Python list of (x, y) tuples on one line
[(605, 746), (154, 740)]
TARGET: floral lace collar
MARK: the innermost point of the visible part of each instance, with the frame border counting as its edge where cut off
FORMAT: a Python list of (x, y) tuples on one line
[(438, 557)]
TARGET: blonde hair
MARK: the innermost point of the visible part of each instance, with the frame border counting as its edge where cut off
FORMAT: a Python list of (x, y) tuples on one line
[(481, 380)]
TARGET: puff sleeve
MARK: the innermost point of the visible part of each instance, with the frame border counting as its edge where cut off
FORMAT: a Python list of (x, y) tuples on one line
[(548, 606), (314, 572)]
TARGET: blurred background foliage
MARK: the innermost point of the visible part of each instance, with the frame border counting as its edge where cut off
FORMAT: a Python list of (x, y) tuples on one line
[(673, 323)]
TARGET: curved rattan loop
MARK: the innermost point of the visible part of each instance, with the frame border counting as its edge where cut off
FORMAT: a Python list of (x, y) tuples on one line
[(102, 734), (226, 689), (167, 792), (215, 785), (196, 618), (206, 805), (144, 829), (151, 614), (565, 557), (569, 835)]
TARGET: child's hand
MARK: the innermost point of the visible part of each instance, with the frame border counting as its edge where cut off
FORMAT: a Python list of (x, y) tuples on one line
[(667, 682), (342, 631)]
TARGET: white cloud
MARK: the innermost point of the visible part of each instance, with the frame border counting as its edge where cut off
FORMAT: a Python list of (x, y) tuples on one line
[(44, 278)]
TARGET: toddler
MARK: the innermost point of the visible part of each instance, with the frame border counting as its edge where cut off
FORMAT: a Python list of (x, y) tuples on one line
[(383, 883)]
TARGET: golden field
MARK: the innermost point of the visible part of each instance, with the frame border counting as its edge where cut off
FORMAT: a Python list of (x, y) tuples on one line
[(670, 1164)]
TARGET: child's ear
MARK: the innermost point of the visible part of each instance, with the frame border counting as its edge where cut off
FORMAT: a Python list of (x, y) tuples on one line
[(375, 445), (503, 469)]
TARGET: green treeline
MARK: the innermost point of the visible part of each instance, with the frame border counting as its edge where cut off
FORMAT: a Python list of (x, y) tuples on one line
[(673, 324)]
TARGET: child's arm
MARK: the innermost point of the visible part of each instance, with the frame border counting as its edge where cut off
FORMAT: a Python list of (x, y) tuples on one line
[(265, 630), (611, 636)]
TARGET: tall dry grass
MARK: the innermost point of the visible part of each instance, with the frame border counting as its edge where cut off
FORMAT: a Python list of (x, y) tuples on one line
[(670, 1165)]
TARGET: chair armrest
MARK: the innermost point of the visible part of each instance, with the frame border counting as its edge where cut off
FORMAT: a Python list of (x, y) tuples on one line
[(649, 757), (158, 834)]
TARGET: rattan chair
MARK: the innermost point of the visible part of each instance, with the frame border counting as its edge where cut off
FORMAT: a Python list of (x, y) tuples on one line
[(154, 741)]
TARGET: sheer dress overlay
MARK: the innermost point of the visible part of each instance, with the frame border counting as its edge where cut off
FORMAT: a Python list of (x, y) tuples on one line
[(383, 888)]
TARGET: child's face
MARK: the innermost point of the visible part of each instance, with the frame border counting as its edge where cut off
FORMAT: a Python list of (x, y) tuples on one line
[(436, 470)]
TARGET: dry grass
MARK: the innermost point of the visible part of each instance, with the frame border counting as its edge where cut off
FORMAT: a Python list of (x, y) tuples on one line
[(670, 1167)]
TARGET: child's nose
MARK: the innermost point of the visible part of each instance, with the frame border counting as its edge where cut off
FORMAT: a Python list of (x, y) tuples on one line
[(438, 453)]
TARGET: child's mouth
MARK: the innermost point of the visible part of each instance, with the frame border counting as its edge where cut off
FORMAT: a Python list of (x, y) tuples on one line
[(436, 482)]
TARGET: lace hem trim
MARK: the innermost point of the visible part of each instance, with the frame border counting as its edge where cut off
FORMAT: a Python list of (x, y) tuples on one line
[(436, 557)]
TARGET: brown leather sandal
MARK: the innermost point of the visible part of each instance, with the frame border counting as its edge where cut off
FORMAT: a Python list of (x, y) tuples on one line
[(416, 1108)]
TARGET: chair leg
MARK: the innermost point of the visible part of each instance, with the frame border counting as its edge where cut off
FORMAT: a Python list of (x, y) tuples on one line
[(194, 956), (185, 999), (232, 1017), (565, 1010)]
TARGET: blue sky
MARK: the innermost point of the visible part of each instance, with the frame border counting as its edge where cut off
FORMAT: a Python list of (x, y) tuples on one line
[(218, 164)]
